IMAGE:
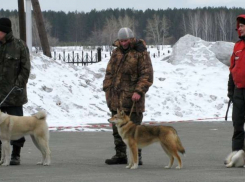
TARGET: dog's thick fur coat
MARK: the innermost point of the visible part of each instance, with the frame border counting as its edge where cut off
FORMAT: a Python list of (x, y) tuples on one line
[(139, 136), (235, 159), (15, 127)]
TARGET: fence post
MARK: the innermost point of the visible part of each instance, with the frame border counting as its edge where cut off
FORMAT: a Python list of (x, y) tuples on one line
[(86, 58), (54, 55), (68, 57), (64, 56), (99, 54), (77, 59), (73, 57), (91, 56)]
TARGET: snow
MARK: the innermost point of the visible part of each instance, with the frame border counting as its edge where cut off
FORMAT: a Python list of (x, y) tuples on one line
[(190, 83)]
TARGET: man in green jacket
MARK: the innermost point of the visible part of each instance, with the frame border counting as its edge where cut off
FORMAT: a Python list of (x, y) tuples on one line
[(14, 73)]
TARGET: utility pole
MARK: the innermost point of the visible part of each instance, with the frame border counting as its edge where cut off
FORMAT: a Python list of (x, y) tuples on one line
[(41, 28), (28, 25), (22, 20)]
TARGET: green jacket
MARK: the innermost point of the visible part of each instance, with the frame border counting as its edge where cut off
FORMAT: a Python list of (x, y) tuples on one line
[(14, 70), (126, 73)]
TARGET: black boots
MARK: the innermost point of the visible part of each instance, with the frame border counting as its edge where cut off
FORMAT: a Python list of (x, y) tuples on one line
[(15, 157), (117, 160), (122, 159)]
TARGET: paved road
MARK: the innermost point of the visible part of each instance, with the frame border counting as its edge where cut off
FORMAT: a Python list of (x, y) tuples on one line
[(79, 156)]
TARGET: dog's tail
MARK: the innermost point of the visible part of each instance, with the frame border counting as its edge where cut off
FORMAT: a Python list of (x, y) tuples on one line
[(180, 147), (40, 115)]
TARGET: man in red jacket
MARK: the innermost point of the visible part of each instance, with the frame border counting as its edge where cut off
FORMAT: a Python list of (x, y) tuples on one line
[(236, 86)]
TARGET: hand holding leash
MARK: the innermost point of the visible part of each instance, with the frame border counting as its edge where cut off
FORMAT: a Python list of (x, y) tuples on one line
[(18, 89)]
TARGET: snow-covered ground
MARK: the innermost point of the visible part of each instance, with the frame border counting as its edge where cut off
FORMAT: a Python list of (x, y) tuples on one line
[(190, 85)]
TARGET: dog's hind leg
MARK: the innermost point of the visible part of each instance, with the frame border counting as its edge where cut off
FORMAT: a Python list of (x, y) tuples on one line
[(171, 158), (176, 155), (44, 146), (36, 142)]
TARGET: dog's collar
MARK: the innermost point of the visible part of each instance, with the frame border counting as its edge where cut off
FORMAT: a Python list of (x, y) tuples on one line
[(123, 124)]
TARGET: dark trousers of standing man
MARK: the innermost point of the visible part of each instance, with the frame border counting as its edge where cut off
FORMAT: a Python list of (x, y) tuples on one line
[(16, 111), (238, 118)]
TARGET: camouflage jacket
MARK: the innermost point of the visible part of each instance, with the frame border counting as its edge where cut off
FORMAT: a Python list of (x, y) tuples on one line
[(14, 70), (126, 73)]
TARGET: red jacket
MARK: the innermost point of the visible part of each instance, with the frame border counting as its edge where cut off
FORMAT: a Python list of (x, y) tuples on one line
[(237, 67)]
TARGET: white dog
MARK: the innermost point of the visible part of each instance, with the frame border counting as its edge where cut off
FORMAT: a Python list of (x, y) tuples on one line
[(235, 159), (15, 127)]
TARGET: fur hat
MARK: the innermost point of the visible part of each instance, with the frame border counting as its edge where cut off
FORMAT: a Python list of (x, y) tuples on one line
[(5, 25), (241, 20), (125, 33)]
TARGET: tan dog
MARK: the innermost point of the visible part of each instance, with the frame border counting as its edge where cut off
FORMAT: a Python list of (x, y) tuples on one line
[(235, 159), (15, 127), (139, 136)]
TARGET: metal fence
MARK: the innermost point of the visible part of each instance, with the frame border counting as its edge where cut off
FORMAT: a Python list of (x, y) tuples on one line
[(83, 58)]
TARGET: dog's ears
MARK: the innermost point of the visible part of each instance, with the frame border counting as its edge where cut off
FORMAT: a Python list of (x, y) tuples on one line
[(120, 112)]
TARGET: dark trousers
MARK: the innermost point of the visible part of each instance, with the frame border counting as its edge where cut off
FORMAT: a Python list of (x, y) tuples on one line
[(238, 118), (17, 111), (120, 146)]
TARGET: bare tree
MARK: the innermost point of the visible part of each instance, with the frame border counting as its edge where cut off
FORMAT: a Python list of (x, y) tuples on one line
[(221, 22), (231, 24), (164, 28), (109, 33), (126, 21), (35, 37), (184, 24), (153, 29), (194, 23)]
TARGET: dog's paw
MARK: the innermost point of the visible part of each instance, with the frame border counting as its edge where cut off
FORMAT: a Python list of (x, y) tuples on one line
[(40, 163), (167, 167), (128, 167), (135, 166), (178, 167), (229, 165), (46, 164), (5, 164)]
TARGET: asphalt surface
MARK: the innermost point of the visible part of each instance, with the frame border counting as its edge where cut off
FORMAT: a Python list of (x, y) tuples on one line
[(80, 156)]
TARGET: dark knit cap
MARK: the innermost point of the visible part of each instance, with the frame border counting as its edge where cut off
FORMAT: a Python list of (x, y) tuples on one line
[(241, 20), (5, 25)]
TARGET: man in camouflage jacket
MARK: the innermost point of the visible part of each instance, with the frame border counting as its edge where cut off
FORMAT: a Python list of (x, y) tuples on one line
[(129, 75), (14, 71)]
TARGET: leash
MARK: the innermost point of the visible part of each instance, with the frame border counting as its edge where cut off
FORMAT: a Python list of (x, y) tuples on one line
[(9, 94), (132, 108), (226, 115)]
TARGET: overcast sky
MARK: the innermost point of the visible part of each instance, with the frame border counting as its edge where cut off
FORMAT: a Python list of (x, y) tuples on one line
[(88, 5)]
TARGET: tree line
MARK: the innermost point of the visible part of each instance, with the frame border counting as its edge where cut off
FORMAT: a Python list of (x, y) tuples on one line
[(155, 26)]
